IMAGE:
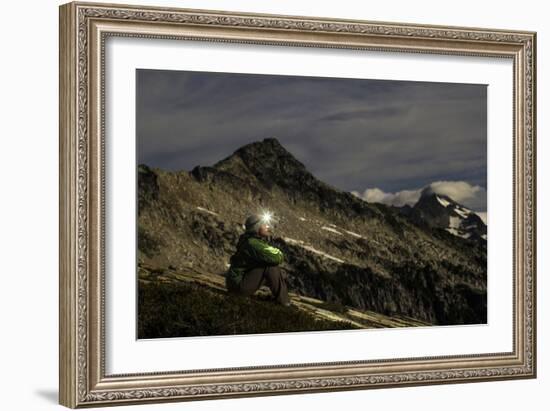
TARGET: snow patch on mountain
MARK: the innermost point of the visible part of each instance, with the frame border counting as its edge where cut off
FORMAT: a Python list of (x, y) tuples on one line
[(459, 224), (442, 201), (454, 222), (458, 233), (332, 230), (462, 212), (353, 234), (204, 210), (312, 249)]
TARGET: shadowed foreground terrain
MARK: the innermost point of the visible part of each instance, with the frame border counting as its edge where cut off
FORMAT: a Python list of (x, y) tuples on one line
[(175, 305)]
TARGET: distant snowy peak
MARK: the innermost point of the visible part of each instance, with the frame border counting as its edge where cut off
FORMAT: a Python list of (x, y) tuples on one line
[(438, 210)]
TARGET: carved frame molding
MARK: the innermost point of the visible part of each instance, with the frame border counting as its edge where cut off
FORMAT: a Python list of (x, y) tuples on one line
[(84, 28)]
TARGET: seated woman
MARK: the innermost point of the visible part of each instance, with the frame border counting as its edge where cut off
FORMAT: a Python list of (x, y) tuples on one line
[(256, 262)]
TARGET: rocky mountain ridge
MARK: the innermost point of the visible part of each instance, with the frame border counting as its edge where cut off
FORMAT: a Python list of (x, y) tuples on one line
[(338, 248)]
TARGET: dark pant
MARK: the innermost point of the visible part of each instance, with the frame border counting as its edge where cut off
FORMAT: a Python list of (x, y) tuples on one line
[(273, 278)]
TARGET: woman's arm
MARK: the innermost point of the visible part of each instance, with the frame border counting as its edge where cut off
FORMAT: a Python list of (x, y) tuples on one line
[(265, 253)]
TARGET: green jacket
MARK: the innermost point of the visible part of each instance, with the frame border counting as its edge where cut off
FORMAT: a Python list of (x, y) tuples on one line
[(252, 252)]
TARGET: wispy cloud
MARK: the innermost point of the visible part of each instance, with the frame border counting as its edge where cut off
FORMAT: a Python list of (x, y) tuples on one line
[(471, 196), (401, 198)]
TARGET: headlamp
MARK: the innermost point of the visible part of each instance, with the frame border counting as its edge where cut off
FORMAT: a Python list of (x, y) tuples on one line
[(266, 217)]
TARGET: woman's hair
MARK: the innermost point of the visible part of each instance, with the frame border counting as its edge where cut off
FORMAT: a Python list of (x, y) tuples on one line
[(253, 223)]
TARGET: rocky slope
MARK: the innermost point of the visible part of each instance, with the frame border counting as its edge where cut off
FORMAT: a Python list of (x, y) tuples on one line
[(339, 249)]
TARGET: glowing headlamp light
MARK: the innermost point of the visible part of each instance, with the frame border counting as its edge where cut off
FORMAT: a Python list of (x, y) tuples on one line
[(267, 217)]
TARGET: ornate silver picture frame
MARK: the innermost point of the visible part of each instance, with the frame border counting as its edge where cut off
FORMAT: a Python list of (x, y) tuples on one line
[(84, 30)]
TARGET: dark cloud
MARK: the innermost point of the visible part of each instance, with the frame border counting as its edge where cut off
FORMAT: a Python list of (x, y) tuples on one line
[(351, 133), (358, 115)]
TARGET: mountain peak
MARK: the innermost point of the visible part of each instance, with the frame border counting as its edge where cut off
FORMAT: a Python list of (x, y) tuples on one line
[(267, 164), (266, 160), (270, 143), (268, 148), (429, 193), (439, 210)]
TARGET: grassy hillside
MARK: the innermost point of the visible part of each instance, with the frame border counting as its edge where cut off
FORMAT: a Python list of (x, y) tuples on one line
[(184, 309)]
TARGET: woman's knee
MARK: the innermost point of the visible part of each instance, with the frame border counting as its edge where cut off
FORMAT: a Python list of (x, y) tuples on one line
[(274, 274)]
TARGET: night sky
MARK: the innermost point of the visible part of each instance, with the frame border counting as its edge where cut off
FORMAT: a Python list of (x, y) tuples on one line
[(383, 140)]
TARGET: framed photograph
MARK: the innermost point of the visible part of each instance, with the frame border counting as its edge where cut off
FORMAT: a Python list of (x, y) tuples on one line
[(261, 204)]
